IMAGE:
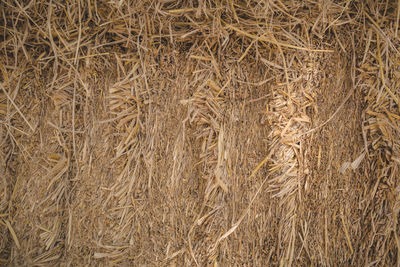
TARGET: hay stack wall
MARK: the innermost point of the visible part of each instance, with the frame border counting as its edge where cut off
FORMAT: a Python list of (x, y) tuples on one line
[(199, 132)]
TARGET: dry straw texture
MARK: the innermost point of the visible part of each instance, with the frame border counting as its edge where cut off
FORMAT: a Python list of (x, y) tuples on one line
[(183, 133)]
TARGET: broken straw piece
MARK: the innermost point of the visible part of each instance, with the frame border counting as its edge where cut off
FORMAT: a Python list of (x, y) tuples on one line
[(357, 161), (344, 167), (354, 165)]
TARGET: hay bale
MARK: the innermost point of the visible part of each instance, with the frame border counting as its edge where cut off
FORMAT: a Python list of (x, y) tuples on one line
[(199, 132)]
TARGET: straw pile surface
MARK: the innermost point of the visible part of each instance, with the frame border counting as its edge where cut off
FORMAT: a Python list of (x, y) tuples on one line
[(183, 133)]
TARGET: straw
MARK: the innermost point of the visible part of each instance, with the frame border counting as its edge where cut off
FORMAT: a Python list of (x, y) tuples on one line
[(196, 133)]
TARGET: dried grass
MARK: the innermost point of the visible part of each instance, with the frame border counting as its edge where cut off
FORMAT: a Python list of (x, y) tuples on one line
[(199, 132)]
